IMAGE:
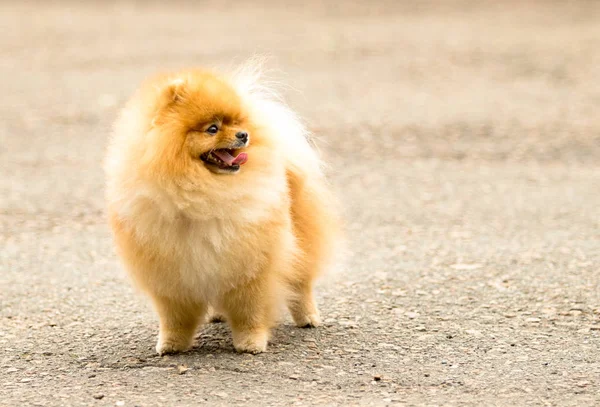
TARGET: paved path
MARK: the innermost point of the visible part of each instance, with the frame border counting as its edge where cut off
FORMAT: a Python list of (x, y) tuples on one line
[(464, 141)]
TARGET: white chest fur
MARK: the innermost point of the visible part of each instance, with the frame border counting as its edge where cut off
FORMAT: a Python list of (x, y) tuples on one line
[(199, 256)]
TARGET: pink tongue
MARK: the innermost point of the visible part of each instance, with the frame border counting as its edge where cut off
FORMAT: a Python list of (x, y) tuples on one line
[(229, 159), (241, 159)]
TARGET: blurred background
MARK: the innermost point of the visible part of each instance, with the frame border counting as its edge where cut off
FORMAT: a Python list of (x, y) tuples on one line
[(463, 139), (399, 80)]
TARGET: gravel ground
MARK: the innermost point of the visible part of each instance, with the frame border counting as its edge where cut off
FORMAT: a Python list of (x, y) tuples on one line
[(463, 138)]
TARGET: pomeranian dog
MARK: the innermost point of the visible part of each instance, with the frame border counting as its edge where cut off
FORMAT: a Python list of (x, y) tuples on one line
[(217, 201)]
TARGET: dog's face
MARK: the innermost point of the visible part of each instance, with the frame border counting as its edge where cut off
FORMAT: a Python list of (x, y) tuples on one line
[(201, 126), (221, 151)]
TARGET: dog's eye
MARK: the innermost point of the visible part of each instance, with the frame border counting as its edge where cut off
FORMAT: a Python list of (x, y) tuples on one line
[(212, 129)]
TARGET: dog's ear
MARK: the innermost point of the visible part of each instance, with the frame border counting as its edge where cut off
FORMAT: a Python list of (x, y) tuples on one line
[(169, 93), (175, 90)]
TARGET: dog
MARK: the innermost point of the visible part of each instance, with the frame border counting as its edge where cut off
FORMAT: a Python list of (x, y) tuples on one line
[(217, 200)]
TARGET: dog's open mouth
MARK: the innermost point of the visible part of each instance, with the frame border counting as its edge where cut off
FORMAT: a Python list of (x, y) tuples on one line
[(224, 160)]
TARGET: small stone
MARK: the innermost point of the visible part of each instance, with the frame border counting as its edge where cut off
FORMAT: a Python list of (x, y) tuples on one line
[(533, 320), (293, 377), (181, 369), (120, 403), (377, 377), (25, 380), (595, 328), (98, 396), (411, 315), (420, 328), (474, 332), (12, 370), (583, 383), (222, 394)]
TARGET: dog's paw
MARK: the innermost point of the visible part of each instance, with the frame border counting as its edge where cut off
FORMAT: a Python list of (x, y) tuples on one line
[(307, 321), (250, 342), (165, 347)]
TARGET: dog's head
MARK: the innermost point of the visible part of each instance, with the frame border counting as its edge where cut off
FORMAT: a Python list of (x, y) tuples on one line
[(199, 123)]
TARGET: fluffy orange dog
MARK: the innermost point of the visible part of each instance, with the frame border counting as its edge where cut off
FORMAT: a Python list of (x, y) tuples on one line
[(217, 201)]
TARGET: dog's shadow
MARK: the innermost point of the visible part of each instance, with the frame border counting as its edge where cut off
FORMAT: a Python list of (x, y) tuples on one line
[(215, 338), (135, 348)]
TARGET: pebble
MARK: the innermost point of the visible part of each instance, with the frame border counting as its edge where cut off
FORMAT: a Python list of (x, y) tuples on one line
[(181, 369), (575, 312), (377, 377), (420, 329), (120, 403), (534, 320), (98, 396)]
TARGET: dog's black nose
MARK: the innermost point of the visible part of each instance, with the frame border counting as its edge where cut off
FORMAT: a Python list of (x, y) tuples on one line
[(242, 135)]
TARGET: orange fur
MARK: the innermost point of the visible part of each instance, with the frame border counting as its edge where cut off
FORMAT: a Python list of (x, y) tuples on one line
[(194, 239)]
